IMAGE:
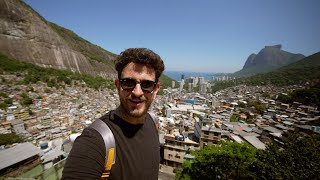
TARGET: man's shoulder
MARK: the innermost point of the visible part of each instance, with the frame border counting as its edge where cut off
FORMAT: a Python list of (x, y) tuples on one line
[(107, 116), (153, 118)]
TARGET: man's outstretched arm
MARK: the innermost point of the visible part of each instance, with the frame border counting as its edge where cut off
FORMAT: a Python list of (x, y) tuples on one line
[(87, 157)]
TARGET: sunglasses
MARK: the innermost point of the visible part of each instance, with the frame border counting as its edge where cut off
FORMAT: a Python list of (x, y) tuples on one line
[(129, 84)]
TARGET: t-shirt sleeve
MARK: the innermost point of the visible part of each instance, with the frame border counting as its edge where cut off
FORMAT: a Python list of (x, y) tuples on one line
[(86, 159)]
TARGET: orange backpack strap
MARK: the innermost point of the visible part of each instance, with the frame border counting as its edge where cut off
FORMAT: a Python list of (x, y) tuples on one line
[(110, 145)]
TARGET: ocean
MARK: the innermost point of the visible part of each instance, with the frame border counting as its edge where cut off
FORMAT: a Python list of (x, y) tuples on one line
[(176, 75)]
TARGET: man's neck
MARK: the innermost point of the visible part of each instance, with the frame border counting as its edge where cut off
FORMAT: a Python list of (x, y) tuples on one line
[(133, 120)]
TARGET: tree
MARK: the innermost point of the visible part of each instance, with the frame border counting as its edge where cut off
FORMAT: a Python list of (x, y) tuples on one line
[(26, 100), (8, 101), (30, 112), (227, 160), (310, 96), (242, 105), (285, 98), (2, 94), (235, 118), (260, 108), (3, 106), (298, 159), (6, 139)]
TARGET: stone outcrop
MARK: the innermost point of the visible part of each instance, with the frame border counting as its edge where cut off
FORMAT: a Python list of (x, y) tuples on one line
[(269, 58), (26, 36)]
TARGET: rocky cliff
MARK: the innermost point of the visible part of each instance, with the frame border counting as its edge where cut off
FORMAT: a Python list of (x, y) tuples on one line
[(269, 58), (26, 36)]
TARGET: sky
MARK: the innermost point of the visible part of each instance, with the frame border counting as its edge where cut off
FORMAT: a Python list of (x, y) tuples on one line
[(191, 35)]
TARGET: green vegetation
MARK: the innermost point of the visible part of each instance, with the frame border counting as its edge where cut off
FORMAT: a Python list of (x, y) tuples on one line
[(32, 173), (260, 108), (234, 118), (30, 112), (6, 139), (2, 94), (26, 100), (165, 81), (228, 160), (96, 53), (27, 6), (66, 32), (4, 106), (306, 70), (285, 98), (297, 159), (93, 52), (52, 77), (57, 78), (8, 101), (310, 96)]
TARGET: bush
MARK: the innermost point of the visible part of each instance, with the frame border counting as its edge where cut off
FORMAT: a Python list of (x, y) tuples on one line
[(6, 139)]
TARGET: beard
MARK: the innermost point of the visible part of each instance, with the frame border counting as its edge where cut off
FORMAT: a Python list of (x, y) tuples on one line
[(134, 111)]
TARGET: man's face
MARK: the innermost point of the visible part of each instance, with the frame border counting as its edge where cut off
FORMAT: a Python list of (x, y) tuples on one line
[(136, 102)]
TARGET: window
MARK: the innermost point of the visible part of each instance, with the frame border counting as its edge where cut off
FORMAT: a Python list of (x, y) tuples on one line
[(216, 134)]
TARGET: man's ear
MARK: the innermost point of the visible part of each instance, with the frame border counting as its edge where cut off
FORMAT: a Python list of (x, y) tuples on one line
[(117, 83), (156, 89)]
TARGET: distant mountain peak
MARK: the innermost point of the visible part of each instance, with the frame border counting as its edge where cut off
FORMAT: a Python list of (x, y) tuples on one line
[(278, 46), (269, 58), (250, 61)]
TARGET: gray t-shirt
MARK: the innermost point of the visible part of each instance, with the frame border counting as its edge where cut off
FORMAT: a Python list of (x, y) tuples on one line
[(137, 151)]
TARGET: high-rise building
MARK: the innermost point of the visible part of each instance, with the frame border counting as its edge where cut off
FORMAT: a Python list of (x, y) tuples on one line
[(203, 88), (201, 80), (192, 80), (189, 87), (181, 85)]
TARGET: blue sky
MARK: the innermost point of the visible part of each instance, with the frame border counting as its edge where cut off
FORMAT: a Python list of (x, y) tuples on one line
[(191, 35)]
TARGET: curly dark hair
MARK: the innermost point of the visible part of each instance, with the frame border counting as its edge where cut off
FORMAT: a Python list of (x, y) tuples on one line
[(140, 56)]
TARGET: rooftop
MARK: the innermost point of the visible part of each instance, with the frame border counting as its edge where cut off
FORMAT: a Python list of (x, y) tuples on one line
[(17, 154)]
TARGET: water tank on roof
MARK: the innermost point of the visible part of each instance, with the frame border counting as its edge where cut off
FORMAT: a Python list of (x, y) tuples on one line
[(44, 145), (179, 138)]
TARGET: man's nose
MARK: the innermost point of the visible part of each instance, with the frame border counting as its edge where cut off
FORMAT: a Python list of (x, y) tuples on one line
[(137, 91)]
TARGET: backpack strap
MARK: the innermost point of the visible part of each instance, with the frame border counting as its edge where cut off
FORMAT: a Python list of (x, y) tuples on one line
[(110, 145), (155, 119)]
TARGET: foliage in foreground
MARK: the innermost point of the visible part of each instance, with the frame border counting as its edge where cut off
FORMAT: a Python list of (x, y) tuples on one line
[(227, 160), (299, 158)]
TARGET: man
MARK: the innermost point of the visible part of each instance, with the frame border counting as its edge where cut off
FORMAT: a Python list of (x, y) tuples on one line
[(135, 133)]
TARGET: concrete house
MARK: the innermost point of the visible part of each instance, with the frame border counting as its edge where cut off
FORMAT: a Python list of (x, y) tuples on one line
[(18, 126), (177, 149)]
